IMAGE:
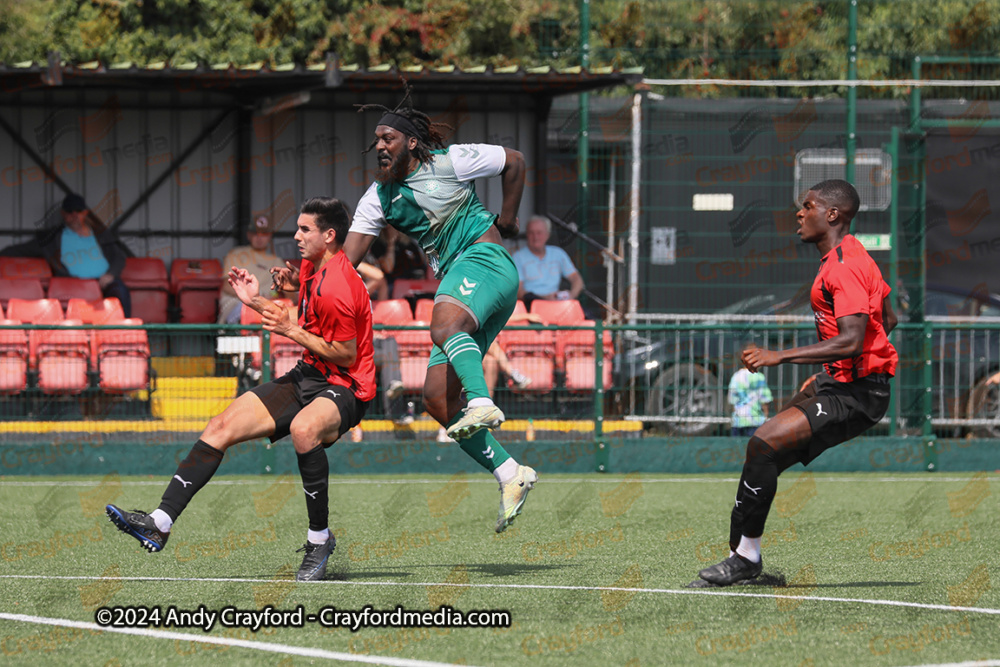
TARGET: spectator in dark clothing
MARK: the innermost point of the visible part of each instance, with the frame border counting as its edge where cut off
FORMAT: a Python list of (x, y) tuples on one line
[(399, 256), (77, 249)]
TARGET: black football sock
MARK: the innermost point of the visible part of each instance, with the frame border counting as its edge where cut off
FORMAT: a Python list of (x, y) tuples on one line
[(315, 470), (192, 474), (758, 484)]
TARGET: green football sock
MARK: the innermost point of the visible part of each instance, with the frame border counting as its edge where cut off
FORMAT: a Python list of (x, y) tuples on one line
[(484, 448), (467, 360)]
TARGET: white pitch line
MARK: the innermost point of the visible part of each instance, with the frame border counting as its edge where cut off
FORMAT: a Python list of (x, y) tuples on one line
[(665, 591), (971, 663), (224, 641), (610, 479)]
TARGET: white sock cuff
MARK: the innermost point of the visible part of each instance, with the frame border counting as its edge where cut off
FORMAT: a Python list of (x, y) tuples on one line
[(506, 471), (162, 520), (318, 536)]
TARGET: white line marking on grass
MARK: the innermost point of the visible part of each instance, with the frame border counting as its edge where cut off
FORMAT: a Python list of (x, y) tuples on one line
[(971, 663), (223, 641), (693, 479), (545, 587)]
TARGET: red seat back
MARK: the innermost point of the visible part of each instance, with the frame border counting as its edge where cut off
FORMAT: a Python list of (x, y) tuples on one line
[(100, 311), (195, 274), (392, 312), (404, 288), (20, 288), (566, 312), (64, 289), (145, 273), (35, 311), (34, 268)]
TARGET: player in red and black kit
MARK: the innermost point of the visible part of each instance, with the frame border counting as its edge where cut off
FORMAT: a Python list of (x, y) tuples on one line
[(854, 314), (319, 400)]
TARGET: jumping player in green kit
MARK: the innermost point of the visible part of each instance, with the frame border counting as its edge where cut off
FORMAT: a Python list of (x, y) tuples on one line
[(427, 192)]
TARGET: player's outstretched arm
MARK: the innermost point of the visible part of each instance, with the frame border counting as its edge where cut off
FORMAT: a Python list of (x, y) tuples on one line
[(244, 284), (356, 246), (847, 343), (512, 183)]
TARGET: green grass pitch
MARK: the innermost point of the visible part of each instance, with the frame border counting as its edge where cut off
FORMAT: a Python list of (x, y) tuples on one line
[(593, 573)]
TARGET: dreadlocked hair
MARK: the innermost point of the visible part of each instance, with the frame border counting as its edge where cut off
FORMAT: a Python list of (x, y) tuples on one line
[(435, 137)]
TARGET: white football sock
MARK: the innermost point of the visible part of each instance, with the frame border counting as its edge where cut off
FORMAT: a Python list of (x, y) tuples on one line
[(749, 548), (318, 536), (506, 471), (476, 402), (162, 520)]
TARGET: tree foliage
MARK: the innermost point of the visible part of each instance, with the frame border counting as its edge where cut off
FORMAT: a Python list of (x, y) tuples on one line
[(668, 39)]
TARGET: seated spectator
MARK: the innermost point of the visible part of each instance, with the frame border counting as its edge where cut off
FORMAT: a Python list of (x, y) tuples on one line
[(257, 258), (80, 249), (496, 360), (541, 267), (375, 282), (399, 257)]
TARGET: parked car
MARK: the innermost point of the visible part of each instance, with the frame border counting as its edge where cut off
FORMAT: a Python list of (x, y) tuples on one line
[(678, 378)]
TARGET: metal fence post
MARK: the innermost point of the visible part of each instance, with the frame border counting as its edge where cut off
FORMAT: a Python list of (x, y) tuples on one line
[(930, 451), (601, 453)]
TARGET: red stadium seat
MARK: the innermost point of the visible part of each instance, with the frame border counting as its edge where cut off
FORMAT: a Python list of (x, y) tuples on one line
[(61, 356), (195, 284), (26, 268), (578, 350), (20, 288), (146, 279), (13, 359), (532, 353), (64, 289), (285, 352), (568, 312), (424, 310), (123, 358), (394, 312), (404, 288), (414, 353)]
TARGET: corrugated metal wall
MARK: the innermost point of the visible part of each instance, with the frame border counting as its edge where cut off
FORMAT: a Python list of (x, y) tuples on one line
[(112, 145)]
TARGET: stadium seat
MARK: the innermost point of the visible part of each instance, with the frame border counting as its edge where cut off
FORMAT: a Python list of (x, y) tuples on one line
[(121, 356), (412, 288), (26, 268), (13, 359), (64, 289), (414, 353), (20, 288), (565, 313), (285, 352), (578, 359), (394, 312), (424, 310), (146, 279), (195, 284), (61, 356), (532, 353)]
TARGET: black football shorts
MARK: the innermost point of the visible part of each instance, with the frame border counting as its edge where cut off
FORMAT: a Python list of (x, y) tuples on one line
[(843, 410), (285, 397)]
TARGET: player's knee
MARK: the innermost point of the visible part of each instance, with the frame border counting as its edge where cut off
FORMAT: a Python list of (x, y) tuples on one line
[(759, 451), (305, 435)]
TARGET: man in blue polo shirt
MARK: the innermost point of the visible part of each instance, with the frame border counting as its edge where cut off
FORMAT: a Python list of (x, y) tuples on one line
[(541, 267)]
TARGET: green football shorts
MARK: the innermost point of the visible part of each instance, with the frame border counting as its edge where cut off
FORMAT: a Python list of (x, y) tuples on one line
[(484, 280)]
